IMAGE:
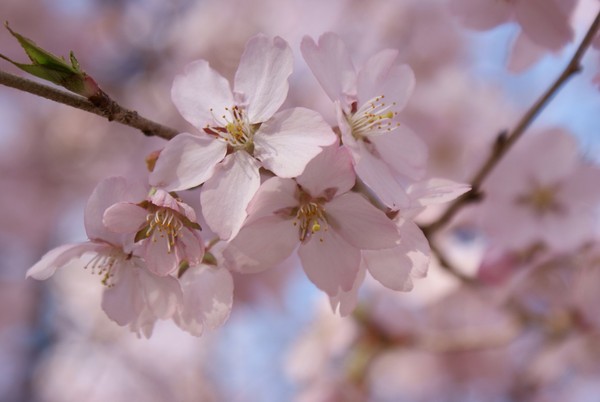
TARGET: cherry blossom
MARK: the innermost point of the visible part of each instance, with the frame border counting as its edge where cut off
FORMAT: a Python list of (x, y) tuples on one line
[(316, 211), (544, 24), (387, 155), (133, 295), (241, 131), (164, 227)]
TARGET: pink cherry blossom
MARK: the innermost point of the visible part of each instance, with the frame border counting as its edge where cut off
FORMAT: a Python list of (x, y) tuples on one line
[(544, 23), (240, 132), (542, 192), (133, 296), (387, 155), (165, 227), (316, 211)]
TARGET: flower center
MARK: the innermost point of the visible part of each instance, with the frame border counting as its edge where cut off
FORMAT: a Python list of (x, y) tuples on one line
[(375, 117), (238, 131), (104, 264), (542, 200), (311, 219), (163, 223)]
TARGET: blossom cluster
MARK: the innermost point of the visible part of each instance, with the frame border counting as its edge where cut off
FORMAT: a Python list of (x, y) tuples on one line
[(273, 182)]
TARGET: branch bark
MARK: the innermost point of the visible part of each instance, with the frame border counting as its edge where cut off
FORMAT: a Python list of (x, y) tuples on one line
[(102, 106)]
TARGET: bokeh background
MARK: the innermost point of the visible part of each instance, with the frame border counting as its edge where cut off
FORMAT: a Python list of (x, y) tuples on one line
[(282, 342)]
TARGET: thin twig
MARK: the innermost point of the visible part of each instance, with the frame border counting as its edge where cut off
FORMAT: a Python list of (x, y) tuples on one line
[(505, 142), (104, 107)]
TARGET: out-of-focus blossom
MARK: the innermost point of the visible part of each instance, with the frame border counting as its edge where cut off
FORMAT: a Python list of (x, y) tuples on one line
[(542, 192), (387, 155), (241, 133), (545, 24)]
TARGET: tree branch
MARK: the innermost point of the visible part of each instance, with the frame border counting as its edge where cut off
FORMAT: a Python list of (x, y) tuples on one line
[(506, 141), (102, 106)]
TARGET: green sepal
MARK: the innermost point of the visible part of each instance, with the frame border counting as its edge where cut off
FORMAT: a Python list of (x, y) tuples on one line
[(52, 68)]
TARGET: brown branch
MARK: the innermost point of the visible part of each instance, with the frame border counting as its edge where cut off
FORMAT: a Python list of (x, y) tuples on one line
[(102, 106), (506, 141)]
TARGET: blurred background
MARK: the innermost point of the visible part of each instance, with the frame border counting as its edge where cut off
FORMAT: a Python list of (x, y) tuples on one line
[(282, 342)]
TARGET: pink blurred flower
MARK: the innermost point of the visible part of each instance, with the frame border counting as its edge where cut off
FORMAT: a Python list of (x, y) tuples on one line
[(165, 228), (544, 23), (387, 156), (317, 211), (241, 133)]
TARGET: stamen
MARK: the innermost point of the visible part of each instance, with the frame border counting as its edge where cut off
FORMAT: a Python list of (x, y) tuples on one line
[(310, 216), (103, 264), (373, 118), (163, 223), (237, 132)]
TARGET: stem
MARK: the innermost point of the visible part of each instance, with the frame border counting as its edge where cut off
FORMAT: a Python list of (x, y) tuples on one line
[(506, 141), (103, 105)]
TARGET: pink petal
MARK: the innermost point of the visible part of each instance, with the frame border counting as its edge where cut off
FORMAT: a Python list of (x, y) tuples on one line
[(394, 267), (108, 192), (59, 257), (360, 223), (403, 152), (261, 79), (162, 295), (524, 54), (187, 161), (273, 195), (332, 168), (159, 259), (288, 141), (207, 298), (123, 302), (331, 64), (346, 301), (544, 22), (125, 217), (381, 75), (330, 262), (191, 245), (262, 245), (226, 194), (482, 15), (436, 191), (199, 90)]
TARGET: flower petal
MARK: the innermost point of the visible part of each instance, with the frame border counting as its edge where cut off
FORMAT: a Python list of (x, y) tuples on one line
[(331, 64), (226, 194), (261, 245), (187, 161), (201, 94), (436, 191), (403, 151), (360, 223), (524, 53), (330, 262), (332, 168), (59, 257), (345, 301), (124, 217), (108, 192), (275, 194), (123, 302), (161, 258), (261, 79), (545, 22), (287, 142), (482, 15), (382, 76), (207, 298), (394, 267), (162, 294)]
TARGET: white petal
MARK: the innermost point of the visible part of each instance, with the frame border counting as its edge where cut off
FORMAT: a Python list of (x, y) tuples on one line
[(331, 64), (59, 257), (436, 191), (360, 223), (262, 245), (331, 169), (207, 298), (403, 151), (288, 141), (394, 267), (226, 194), (198, 90), (124, 217), (330, 262), (187, 161), (162, 295), (273, 195), (261, 78), (345, 301), (124, 301)]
